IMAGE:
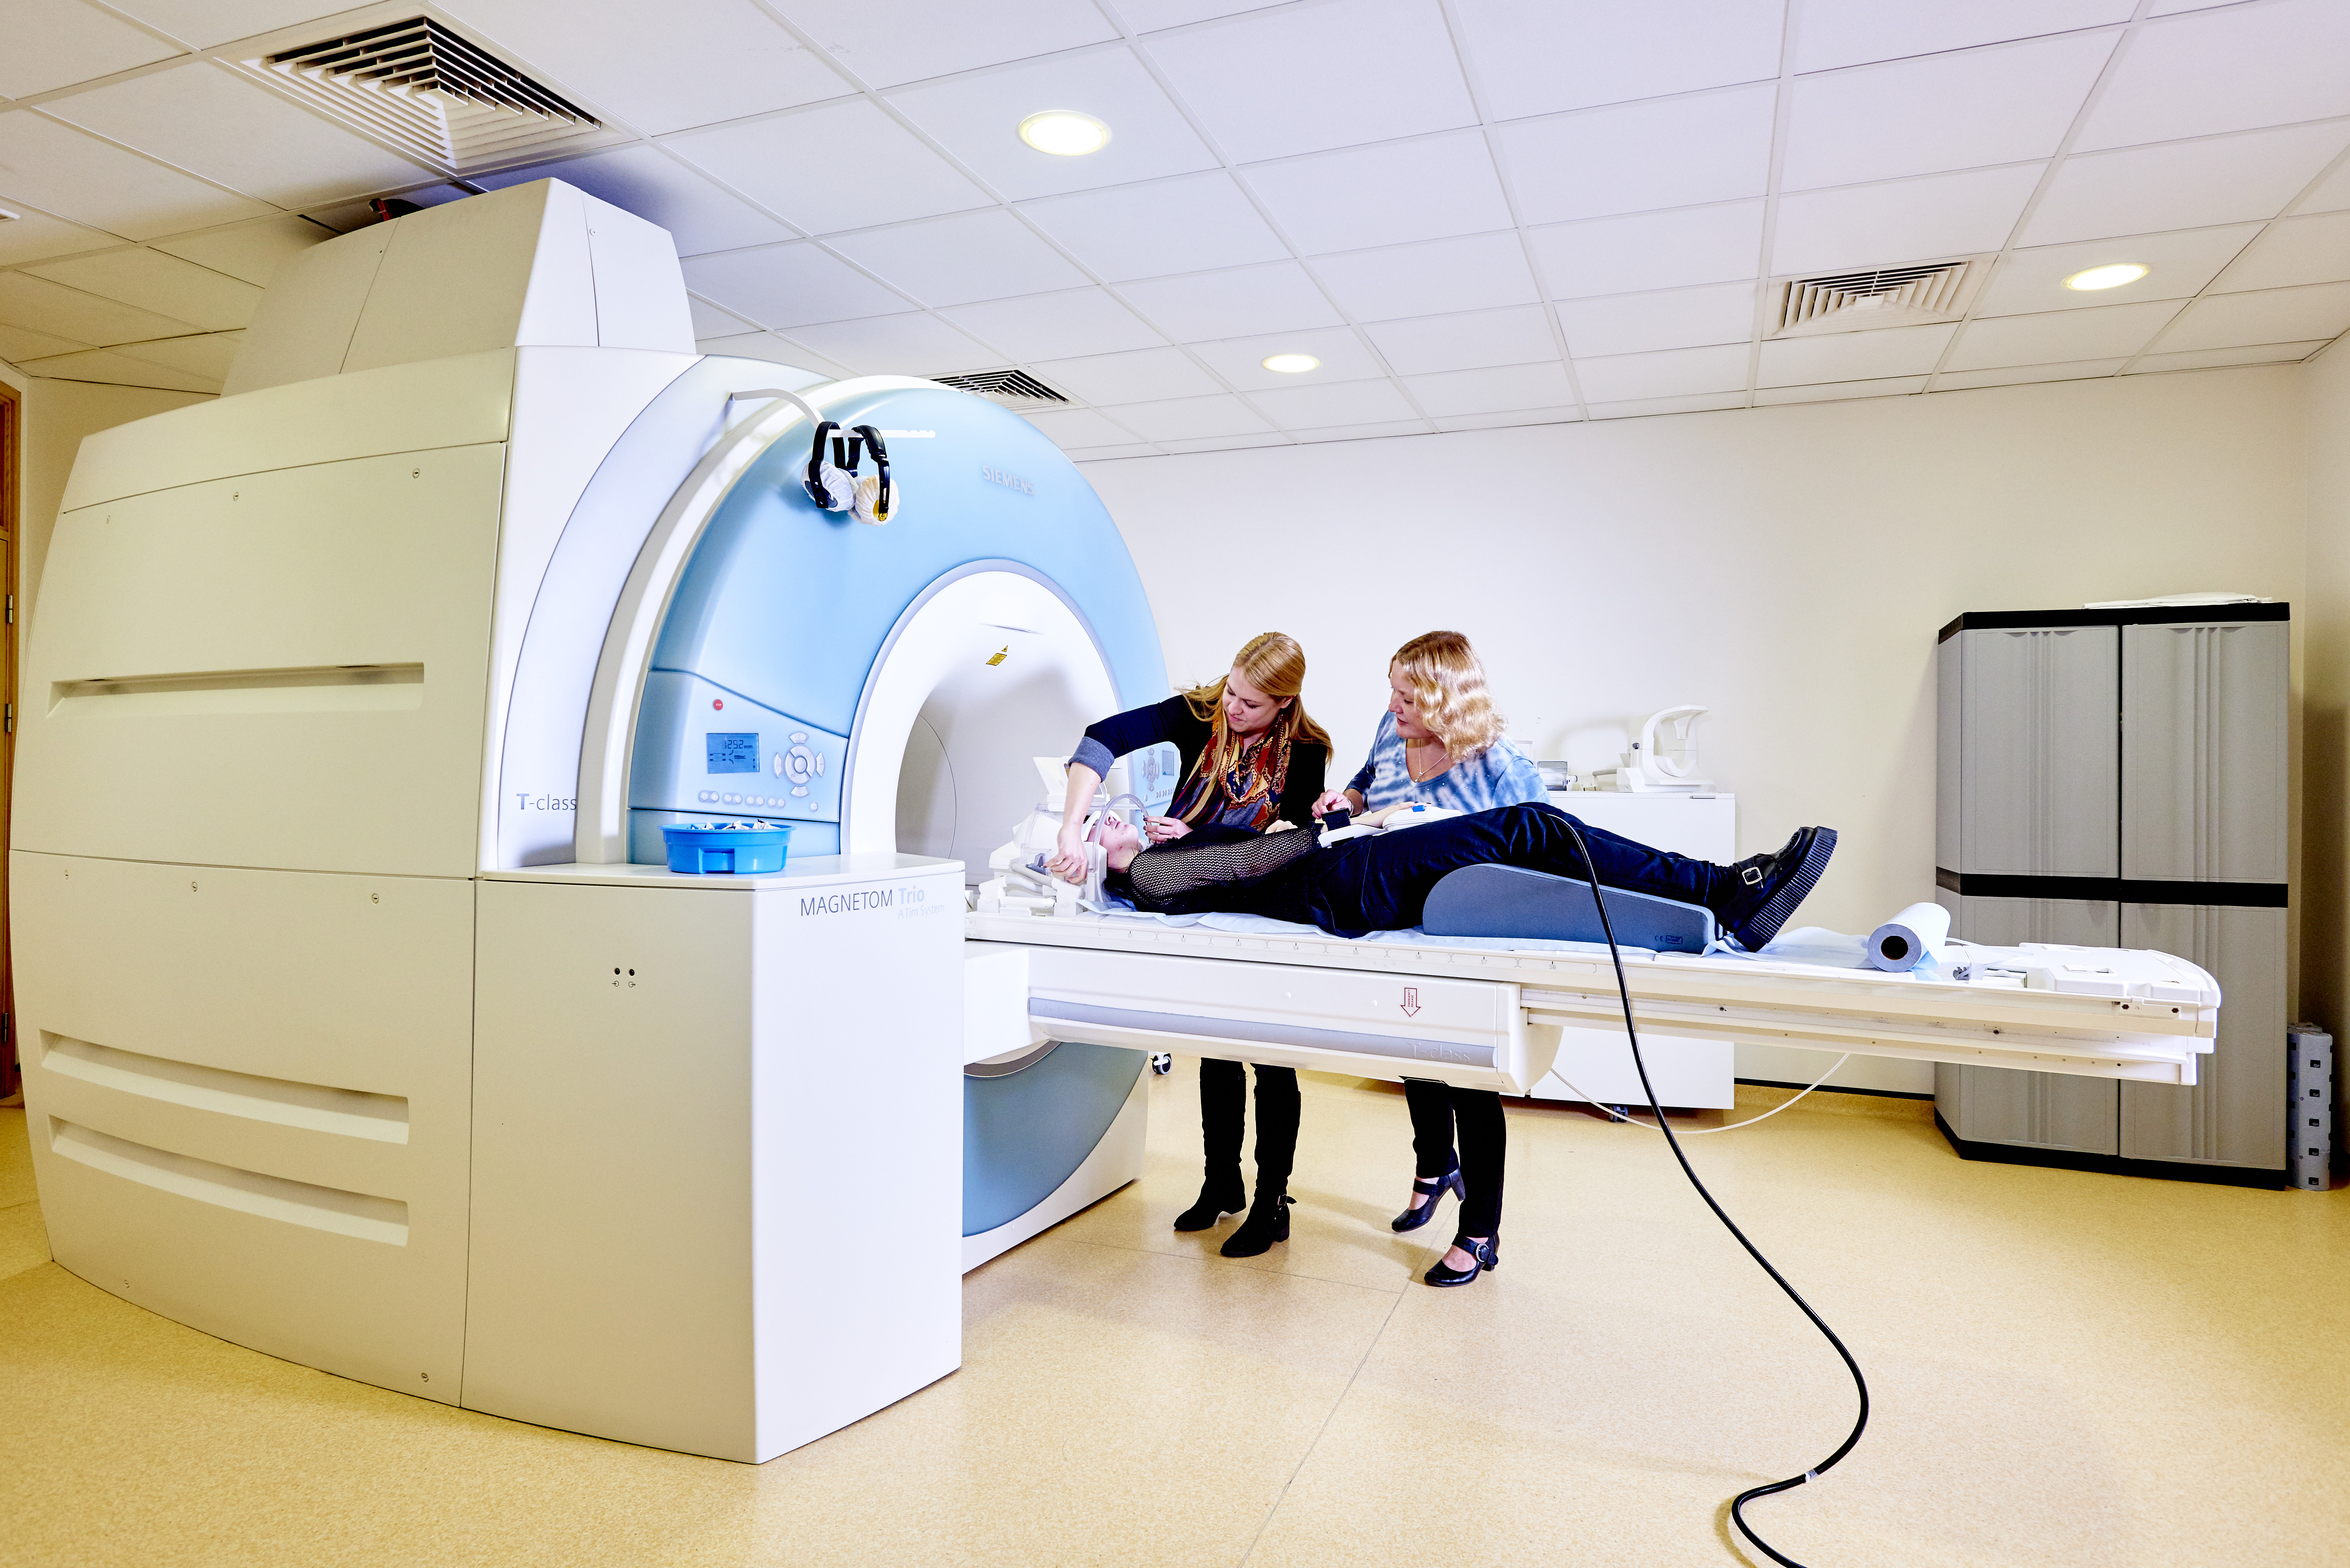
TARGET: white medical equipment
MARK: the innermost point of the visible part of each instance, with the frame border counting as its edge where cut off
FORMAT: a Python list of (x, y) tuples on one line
[(1663, 758), (376, 1035)]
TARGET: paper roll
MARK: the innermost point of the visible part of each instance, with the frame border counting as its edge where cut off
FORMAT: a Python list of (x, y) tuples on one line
[(1910, 937)]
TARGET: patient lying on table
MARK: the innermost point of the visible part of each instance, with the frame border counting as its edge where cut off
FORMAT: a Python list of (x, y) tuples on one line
[(1381, 883)]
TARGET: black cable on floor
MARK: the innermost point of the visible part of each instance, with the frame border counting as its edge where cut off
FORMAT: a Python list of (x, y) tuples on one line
[(1738, 1504)]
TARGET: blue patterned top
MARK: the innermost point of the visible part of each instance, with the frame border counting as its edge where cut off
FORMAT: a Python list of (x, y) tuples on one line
[(1501, 774)]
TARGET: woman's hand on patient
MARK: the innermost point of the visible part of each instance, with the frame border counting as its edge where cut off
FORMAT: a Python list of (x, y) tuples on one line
[(1068, 861), (1163, 828), (1331, 800)]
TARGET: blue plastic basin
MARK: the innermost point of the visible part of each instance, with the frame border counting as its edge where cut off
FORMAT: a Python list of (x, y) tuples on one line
[(734, 850)]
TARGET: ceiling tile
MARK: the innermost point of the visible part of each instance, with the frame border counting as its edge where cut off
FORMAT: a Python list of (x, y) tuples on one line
[(1651, 250), (200, 117), (1061, 325), (986, 254), (913, 345), (2231, 69), (34, 236), (2293, 251), (1381, 69), (1838, 391), (1641, 407), (2272, 316), (1342, 403), (118, 369), (1392, 194), (1495, 390), (1854, 32), (167, 286), (790, 285), (1189, 419), (765, 346), (1236, 303), (80, 178), (709, 321), (2331, 193), (249, 252), (204, 23), (1374, 432), (2181, 185), (2020, 375), (1344, 358), (1135, 376), (209, 355), (661, 67), (1910, 220), (1853, 356), (2219, 358), (1537, 56), (1677, 373), (1151, 15), (1963, 110), (2102, 333), (48, 44), (1473, 273), (45, 306), (1112, 453), (2178, 265), (1079, 428), (1677, 153), (1509, 418), (977, 119), (658, 188), (1228, 443), (837, 166), (19, 344), (914, 39), (1517, 335), (1195, 224), (1672, 318)]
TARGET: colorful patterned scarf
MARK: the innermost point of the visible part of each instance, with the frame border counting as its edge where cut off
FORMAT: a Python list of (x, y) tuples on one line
[(1245, 793)]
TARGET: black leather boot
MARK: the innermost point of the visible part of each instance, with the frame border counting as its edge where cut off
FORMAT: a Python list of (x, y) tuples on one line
[(1219, 1196), (1267, 1222)]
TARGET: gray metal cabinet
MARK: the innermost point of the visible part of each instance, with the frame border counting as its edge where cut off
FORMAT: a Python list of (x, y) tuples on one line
[(2118, 778)]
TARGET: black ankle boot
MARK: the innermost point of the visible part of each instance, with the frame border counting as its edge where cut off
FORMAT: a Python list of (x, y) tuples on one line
[(1219, 1196), (1267, 1222)]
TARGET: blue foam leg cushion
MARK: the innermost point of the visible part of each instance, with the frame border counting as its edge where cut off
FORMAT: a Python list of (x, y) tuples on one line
[(1511, 901)]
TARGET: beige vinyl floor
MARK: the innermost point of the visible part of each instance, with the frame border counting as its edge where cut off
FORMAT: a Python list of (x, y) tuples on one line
[(2068, 1369)]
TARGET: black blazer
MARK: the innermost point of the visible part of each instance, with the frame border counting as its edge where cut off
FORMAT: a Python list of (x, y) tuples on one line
[(1174, 721)]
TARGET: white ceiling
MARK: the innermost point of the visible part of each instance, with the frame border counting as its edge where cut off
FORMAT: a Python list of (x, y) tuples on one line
[(1475, 212)]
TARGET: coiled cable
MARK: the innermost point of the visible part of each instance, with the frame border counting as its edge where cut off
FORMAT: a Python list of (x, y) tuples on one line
[(1738, 1504)]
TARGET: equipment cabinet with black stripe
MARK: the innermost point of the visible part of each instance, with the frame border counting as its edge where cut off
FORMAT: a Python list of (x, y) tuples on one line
[(2117, 778)]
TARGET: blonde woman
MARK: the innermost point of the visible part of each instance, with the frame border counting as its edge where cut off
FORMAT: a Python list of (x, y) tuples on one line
[(1250, 758), (1441, 745)]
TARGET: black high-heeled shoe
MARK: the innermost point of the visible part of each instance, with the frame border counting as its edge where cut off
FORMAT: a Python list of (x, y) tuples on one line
[(1216, 1199), (1267, 1222), (1484, 1258), (1434, 1186)]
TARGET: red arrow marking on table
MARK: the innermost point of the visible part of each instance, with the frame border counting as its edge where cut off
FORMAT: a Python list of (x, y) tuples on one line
[(1410, 999)]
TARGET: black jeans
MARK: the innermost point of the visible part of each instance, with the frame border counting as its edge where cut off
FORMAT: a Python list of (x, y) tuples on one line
[(1437, 1109), (1221, 1097)]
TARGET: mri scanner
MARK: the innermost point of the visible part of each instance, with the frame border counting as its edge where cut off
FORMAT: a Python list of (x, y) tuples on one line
[(365, 1025)]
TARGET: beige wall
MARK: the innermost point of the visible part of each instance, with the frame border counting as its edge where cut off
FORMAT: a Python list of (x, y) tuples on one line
[(2324, 894), (1786, 567)]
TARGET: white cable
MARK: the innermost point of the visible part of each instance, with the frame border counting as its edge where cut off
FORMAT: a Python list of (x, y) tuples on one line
[(1733, 1126)]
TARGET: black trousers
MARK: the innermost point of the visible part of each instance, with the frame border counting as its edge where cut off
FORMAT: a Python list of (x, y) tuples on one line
[(1438, 1110), (1222, 1095)]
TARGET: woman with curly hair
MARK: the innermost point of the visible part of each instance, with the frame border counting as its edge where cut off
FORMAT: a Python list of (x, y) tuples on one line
[(1252, 760), (1441, 745)]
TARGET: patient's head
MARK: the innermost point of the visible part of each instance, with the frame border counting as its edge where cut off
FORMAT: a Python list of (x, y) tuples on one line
[(1120, 840)]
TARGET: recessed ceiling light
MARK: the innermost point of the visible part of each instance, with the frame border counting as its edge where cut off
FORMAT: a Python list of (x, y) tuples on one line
[(1064, 132), (2112, 277), (1289, 364)]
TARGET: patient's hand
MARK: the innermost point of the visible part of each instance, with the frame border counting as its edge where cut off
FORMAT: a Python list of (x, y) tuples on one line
[(1379, 818), (1163, 828)]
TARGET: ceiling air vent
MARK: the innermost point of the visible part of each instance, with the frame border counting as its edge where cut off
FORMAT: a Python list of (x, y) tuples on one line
[(415, 85), (1889, 296), (1015, 389)]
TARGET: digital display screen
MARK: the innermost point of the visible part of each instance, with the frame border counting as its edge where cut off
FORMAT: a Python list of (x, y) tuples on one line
[(735, 751)]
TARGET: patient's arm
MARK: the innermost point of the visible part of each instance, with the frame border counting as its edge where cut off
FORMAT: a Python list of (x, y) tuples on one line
[(1164, 873)]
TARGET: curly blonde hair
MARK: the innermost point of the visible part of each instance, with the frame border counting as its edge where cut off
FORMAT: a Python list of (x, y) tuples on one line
[(1448, 685)]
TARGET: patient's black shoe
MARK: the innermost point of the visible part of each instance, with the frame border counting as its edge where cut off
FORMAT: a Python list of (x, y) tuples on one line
[(1219, 1196), (1267, 1222), (1771, 886)]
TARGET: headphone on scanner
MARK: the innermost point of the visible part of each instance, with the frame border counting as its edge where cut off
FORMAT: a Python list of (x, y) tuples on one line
[(833, 481)]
